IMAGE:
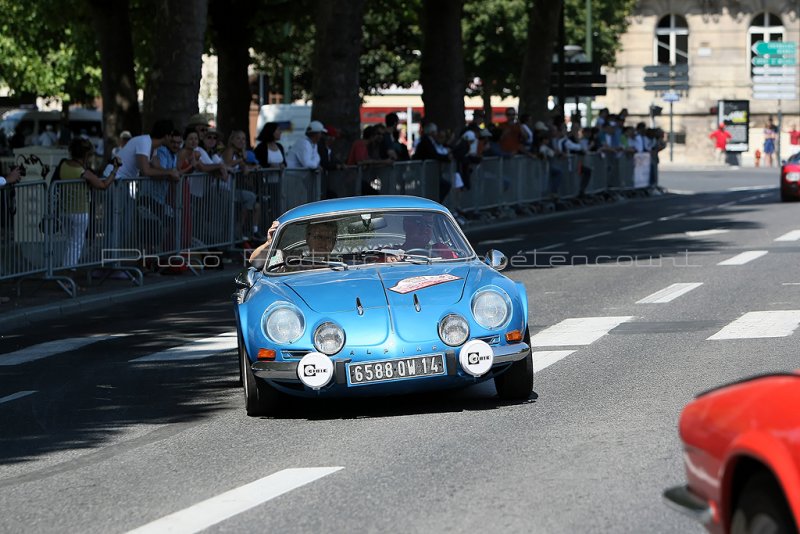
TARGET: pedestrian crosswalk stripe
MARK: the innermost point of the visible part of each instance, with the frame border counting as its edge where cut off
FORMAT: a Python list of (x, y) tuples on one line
[(226, 505), (545, 358), (15, 396), (51, 348), (744, 257), (794, 235), (196, 350), (761, 324), (578, 331), (670, 293)]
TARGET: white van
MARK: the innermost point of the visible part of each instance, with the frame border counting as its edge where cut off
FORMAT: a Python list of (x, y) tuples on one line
[(32, 123), (293, 120)]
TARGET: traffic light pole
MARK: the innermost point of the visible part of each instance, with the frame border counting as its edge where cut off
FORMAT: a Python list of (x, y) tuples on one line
[(671, 134)]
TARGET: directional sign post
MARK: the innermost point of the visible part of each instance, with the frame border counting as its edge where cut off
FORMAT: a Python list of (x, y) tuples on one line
[(775, 75), (669, 80)]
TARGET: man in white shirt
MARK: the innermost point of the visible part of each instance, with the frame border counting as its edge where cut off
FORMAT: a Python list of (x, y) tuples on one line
[(304, 153), (12, 178), (48, 137), (135, 155)]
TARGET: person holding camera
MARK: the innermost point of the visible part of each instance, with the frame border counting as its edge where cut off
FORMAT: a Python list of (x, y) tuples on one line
[(12, 178), (74, 199)]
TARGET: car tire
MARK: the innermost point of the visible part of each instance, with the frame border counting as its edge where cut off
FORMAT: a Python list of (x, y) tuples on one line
[(259, 397), (516, 383), (240, 352), (762, 507), (785, 197)]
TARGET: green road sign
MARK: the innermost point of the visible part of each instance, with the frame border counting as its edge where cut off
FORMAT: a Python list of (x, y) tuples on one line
[(774, 61), (775, 48)]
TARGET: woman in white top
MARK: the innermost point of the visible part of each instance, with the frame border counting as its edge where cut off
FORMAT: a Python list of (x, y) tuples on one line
[(270, 152)]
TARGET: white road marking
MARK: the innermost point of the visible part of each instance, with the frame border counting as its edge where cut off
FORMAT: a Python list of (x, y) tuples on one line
[(794, 235), (580, 331), (637, 225), (682, 192), (17, 395), (588, 237), (752, 188), (51, 348), (196, 350), (226, 505), (548, 247), (546, 358), (744, 257), (670, 217), (670, 293), (761, 324), (791, 284), (703, 210), (703, 233)]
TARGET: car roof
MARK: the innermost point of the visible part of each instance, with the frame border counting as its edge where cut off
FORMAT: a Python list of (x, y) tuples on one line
[(372, 202)]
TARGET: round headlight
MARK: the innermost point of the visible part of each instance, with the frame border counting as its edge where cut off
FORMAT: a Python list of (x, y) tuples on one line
[(491, 308), (454, 330), (283, 323), (329, 338)]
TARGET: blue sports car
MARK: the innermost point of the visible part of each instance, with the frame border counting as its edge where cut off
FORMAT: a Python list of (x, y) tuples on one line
[(377, 296)]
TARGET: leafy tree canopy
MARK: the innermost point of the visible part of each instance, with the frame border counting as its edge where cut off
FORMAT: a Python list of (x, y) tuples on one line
[(46, 53)]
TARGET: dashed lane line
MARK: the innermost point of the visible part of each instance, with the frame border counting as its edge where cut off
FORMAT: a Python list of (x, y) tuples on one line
[(196, 350), (670, 293), (794, 235), (545, 358), (51, 348), (670, 217), (588, 237), (17, 395), (637, 225), (577, 331), (761, 324), (744, 257), (226, 505)]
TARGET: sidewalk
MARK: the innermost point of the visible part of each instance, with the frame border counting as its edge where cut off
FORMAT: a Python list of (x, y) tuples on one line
[(43, 301)]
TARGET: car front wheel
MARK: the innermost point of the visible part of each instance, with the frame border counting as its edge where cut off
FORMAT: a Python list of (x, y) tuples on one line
[(259, 397), (761, 508), (517, 382)]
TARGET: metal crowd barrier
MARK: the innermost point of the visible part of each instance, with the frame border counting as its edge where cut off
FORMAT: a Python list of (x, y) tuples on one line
[(51, 230)]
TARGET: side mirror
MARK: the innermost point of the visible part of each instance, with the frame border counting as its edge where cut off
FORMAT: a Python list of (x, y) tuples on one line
[(246, 278), (496, 260)]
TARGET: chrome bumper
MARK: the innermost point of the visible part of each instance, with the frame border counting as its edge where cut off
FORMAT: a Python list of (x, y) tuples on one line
[(288, 370), (681, 499)]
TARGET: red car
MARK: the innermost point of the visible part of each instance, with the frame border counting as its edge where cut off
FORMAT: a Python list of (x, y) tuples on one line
[(790, 178), (742, 457)]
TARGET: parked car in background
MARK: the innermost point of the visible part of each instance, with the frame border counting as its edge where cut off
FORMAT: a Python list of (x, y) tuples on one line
[(790, 178), (377, 295), (742, 457)]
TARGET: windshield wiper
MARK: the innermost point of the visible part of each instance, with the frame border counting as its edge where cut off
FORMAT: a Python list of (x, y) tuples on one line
[(335, 265), (411, 258)]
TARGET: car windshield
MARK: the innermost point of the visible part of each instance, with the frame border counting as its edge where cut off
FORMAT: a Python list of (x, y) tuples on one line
[(366, 238), (794, 158)]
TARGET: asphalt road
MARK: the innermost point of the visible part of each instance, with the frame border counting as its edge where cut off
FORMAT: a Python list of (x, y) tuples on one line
[(99, 435)]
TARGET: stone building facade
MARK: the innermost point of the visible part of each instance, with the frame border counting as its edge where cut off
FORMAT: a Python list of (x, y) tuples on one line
[(714, 37)]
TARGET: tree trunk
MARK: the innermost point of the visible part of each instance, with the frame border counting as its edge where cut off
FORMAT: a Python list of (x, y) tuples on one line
[(442, 69), (337, 53), (486, 96), (231, 37), (538, 60), (174, 79), (112, 26)]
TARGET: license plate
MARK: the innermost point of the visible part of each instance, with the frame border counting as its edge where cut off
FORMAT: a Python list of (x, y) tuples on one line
[(399, 369)]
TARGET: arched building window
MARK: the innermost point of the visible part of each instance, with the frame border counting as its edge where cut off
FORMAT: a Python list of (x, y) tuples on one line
[(672, 41), (765, 27)]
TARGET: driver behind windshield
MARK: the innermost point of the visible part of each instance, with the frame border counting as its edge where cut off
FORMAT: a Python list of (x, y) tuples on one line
[(419, 231)]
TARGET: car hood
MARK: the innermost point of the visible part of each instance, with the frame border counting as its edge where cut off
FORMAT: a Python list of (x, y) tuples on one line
[(393, 285)]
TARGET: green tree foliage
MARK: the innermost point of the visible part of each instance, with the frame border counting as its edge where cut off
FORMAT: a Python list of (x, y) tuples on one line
[(609, 22), (44, 52), (391, 44), (494, 37)]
